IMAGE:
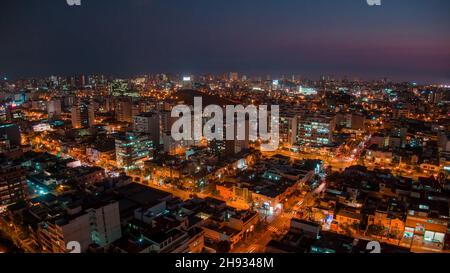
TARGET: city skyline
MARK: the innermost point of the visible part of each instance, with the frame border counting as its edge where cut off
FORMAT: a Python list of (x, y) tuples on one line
[(225, 127), (401, 40)]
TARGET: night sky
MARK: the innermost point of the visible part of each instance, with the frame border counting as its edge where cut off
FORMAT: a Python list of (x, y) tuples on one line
[(402, 40)]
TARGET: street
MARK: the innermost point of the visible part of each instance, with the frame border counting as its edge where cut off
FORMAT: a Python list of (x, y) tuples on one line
[(277, 225)]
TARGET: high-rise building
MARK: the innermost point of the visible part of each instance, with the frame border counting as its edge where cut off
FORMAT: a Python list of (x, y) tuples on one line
[(124, 110), (97, 224), (234, 77), (132, 149), (80, 81), (148, 123), (166, 122), (444, 142), (5, 114), (54, 108), (69, 101), (13, 185), (315, 130), (83, 115), (91, 112), (187, 82), (236, 145), (11, 132), (288, 128)]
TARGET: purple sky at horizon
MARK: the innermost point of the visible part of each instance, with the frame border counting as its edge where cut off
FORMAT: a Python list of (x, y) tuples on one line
[(404, 40)]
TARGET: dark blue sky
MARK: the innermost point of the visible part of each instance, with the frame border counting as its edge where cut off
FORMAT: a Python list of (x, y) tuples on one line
[(402, 39)]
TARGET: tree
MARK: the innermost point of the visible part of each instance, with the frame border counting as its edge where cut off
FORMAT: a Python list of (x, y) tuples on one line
[(376, 230)]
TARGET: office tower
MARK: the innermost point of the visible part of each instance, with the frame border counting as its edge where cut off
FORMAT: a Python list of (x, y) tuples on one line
[(54, 108), (315, 130), (54, 81), (444, 141), (288, 128), (86, 224), (132, 149), (234, 77), (91, 113), (83, 115), (13, 185), (80, 81), (124, 110), (69, 101), (236, 145), (6, 116), (148, 123), (166, 120), (187, 82), (11, 132), (166, 141)]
